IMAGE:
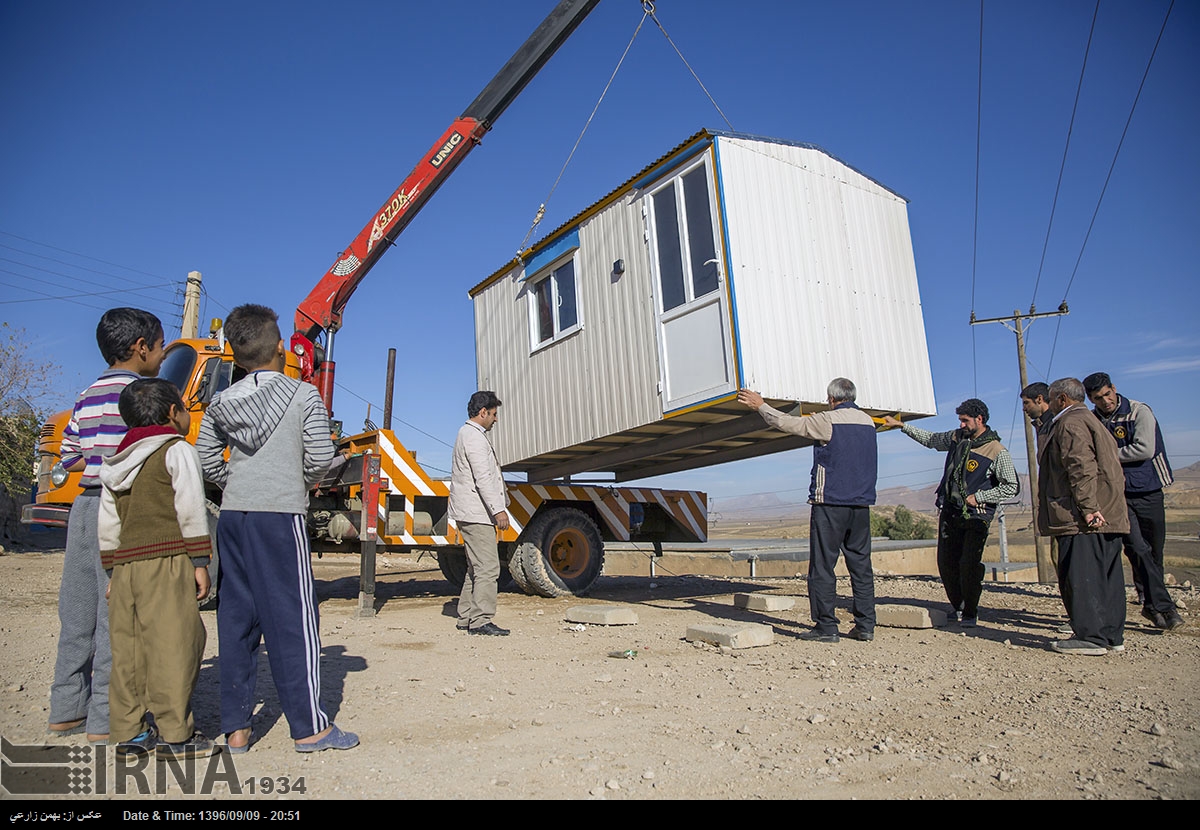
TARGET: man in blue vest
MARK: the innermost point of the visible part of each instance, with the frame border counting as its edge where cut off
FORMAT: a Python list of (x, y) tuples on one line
[(845, 465), (1147, 471), (979, 475)]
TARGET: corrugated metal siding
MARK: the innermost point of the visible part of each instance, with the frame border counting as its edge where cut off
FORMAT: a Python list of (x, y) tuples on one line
[(596, 382), (824, 279)]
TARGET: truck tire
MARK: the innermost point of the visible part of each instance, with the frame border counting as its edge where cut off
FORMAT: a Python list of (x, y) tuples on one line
[(516, 573), (214, 512), (452, 562), (561, 553)]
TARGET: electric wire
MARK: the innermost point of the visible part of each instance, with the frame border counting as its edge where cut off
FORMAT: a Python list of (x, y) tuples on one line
[(354, 394), (1063, 165), (1108, 177), (975, 230)]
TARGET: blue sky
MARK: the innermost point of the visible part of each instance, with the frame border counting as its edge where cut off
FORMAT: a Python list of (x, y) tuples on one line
[(252, 141)]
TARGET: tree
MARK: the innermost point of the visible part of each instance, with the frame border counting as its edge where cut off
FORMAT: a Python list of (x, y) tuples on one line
[(25, 387), (903, 524)]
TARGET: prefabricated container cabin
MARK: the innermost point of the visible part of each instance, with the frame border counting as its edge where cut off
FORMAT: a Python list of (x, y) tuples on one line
[(618, 342)]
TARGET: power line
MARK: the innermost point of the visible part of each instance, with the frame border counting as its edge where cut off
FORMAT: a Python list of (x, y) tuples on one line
[(1063, 166), (83, 256), (975, 230), (1111, 166)]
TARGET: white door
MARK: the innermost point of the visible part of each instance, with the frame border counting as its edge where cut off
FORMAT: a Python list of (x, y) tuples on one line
[(694, 342)]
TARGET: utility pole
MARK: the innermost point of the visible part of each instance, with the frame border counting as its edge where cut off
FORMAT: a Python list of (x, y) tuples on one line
[(1018, 323), (191, 307)]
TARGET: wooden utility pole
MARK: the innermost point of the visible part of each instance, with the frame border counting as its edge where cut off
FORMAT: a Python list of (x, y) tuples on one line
[(191, 307), (1018, 323)]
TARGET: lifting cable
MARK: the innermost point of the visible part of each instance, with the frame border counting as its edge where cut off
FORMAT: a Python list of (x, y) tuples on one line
[(1108, 177), (647, 11)]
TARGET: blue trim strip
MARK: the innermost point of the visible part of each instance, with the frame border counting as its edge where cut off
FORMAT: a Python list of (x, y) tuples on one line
[(669, 165), (564, 244), (729, 281)]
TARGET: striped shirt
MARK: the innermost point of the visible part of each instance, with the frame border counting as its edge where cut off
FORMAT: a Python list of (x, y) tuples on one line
[(96, 428)]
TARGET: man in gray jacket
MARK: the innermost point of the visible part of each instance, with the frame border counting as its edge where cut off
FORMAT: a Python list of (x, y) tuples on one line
[(477, 502)]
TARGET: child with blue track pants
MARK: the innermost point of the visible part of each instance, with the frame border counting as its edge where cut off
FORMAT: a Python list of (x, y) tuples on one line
[(278, 436)]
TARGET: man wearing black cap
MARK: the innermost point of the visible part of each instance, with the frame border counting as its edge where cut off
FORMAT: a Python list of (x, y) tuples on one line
[(979, 475)]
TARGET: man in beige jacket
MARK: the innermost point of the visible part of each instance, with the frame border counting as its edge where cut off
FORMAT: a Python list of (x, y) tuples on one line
[(477, 508), (1082, 503)]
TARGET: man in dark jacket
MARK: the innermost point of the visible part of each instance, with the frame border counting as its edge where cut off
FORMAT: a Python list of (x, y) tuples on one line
[(1147, 471), (1082, 503), (845, 463), (979, 475)]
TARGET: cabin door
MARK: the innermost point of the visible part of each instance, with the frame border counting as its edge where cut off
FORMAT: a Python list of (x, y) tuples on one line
[(694, 342)]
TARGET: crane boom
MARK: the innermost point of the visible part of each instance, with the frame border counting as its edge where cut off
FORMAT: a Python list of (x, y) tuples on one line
[(321, 311)]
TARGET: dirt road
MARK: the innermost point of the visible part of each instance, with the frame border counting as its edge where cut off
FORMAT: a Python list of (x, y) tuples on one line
[(546, 713)]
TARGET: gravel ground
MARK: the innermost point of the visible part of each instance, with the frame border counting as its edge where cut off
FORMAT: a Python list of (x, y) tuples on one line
[(547, 714)]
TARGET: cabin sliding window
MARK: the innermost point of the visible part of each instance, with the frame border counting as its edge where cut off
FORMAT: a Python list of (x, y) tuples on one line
[(686, 248), (554, 306)]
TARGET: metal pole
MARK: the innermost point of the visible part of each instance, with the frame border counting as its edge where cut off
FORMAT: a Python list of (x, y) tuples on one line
[(191, 307), (1046, 573), (387, 393)]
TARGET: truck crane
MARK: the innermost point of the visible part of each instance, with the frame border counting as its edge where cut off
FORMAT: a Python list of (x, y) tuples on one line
[(382, 497)]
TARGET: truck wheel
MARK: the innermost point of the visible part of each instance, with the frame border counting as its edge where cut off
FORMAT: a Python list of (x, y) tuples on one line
[(515, 575), (214, 512), (453, 564), (561, 553)]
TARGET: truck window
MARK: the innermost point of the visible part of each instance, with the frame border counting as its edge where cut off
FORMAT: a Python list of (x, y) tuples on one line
[(177, 366)]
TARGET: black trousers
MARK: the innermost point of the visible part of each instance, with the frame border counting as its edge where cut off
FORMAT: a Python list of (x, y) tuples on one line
[(1093, 586), (834, 528), (960, 559), (1144, 549)]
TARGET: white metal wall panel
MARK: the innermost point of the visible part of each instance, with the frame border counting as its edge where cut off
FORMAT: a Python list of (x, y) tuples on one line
[(598, 381), (824, 279)]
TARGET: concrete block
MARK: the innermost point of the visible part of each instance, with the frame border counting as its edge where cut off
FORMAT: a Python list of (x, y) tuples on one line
[(602, 615), (745, 635), (909, 616), (763, 602)]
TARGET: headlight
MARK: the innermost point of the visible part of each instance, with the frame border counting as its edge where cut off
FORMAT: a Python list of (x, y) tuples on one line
[(58, 475)]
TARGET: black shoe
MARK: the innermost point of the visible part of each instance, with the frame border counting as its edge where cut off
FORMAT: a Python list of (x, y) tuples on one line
[(815, 636), (1156, 619), (1172, 620), (490, 629), (857, 633), (142, 744)]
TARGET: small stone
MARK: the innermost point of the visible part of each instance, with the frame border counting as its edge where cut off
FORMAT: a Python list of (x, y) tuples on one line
[(648, 775), (816, 718), (1170, 762), (448, 692), (1157, 729), (604, 678), (612, 784)]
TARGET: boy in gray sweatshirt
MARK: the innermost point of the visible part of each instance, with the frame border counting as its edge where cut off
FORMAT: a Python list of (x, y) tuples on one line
[(278, 436)]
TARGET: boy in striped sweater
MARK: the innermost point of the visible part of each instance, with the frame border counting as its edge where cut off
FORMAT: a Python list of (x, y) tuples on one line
[(131, 341)]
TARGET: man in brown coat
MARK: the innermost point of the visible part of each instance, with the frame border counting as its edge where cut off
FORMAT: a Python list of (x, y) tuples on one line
[(1082, 504)]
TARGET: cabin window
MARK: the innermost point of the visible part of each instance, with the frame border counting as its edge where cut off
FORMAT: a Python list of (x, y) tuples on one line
[(687, 259), (554, 307)]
